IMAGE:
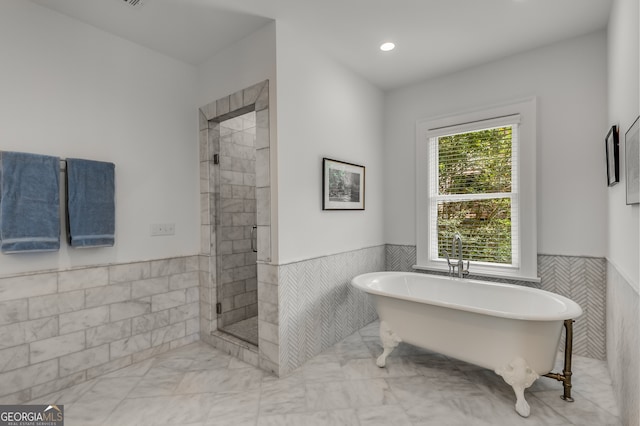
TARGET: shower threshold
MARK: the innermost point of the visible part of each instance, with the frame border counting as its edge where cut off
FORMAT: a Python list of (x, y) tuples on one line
[(246, 330)]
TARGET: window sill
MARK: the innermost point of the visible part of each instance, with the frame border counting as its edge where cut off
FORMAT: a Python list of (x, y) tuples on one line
[(482, 272)]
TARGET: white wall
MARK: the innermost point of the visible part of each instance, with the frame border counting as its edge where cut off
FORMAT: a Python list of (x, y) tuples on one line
[(238, 66), (324, 110), (569, 81), (623, 109), (71, 90)]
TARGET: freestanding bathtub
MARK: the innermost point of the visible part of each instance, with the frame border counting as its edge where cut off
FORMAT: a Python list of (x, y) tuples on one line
[(510, 329)]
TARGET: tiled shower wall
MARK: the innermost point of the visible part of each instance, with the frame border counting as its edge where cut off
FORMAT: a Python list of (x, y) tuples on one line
[(61, 328), (255, 98), (582, 279), (237, 215)]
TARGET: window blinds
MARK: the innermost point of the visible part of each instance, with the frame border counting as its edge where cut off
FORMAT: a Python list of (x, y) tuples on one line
[(473, 189)]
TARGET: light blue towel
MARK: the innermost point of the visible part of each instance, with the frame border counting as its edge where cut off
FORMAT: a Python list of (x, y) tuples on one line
[(90, 203), (29, 202)]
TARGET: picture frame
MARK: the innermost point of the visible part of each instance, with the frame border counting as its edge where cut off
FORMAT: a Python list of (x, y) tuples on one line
[(613, 156), (343, 185), (632, 163)]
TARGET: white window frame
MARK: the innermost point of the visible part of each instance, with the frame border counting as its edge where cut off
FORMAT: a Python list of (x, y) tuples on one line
[(523, 268)]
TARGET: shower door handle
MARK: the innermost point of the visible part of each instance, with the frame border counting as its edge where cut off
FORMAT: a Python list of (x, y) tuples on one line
[(254, 247)]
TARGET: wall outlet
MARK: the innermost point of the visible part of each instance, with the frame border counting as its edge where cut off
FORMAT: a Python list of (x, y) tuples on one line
[(163, 229)]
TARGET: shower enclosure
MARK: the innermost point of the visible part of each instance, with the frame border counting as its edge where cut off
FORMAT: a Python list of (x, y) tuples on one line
[(236, 228), (238, 285)]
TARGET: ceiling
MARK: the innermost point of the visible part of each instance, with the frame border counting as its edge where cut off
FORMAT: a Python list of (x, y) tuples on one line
[(433, 37)]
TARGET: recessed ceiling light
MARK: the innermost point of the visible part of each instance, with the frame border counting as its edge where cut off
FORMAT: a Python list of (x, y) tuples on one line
[(385, 47)]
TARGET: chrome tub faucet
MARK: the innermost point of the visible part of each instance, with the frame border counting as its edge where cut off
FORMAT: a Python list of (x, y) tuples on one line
[(456, 251)]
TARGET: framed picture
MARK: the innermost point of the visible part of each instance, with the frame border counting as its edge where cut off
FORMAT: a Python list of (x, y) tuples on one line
[(613, 155), (342, 185), (632, 163)]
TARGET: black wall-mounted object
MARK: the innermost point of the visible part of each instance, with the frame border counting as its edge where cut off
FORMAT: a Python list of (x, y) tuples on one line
[(613, 156)]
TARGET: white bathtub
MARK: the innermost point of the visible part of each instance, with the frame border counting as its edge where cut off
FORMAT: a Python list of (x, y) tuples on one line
[(510, 329)]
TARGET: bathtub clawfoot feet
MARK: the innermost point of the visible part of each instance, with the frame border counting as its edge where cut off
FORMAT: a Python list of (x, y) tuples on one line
[(520, 376), (389, 342)]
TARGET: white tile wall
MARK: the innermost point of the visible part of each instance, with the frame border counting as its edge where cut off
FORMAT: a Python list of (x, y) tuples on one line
[(623, 344), (317, 305), (28, 286), (59, 329), (582, 279)]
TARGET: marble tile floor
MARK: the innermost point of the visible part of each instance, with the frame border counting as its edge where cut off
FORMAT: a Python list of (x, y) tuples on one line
[(246, 330), (197, 385)]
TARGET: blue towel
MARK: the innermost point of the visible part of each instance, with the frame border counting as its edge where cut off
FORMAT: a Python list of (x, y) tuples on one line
[(90, 203), (29, 202)]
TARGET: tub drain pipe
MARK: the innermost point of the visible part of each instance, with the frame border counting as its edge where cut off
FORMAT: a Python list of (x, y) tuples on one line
[(565, 377)]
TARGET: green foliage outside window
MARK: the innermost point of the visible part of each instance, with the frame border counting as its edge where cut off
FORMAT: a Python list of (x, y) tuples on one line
[(477, 162)]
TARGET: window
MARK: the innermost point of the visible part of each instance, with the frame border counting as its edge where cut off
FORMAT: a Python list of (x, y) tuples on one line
[(471, 181)]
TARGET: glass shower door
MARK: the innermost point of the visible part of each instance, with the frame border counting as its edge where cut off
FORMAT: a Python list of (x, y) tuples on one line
[(236, 268)]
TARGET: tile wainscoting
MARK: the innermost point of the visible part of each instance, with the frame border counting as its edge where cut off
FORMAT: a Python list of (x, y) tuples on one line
[(623, 343), (317, 305), (62, 328), (582, 279)]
